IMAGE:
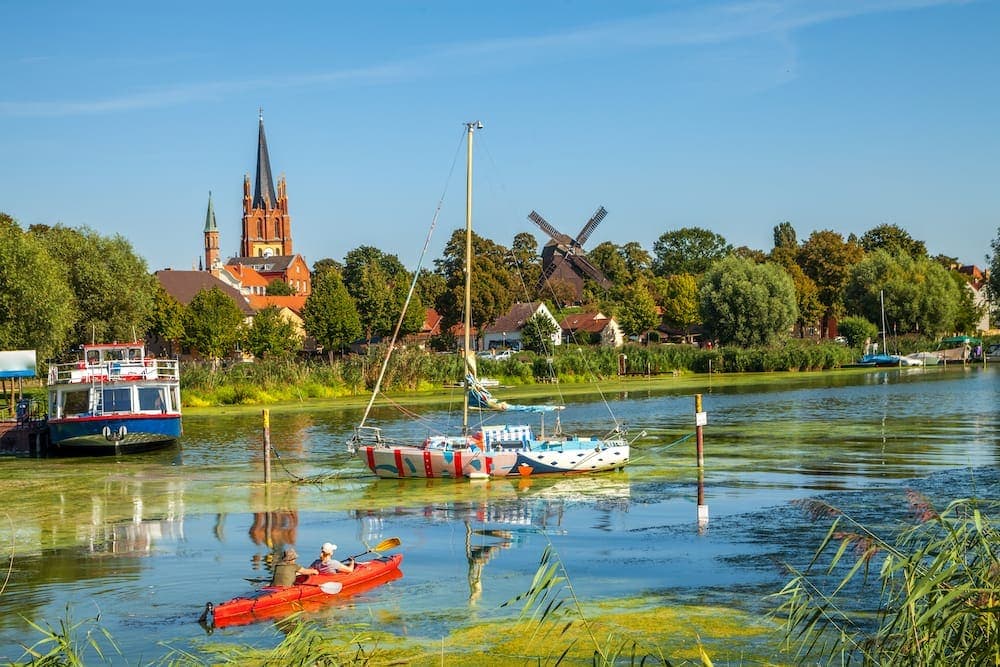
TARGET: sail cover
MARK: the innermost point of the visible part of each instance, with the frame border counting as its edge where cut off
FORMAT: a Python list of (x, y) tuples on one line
[(482, 399)]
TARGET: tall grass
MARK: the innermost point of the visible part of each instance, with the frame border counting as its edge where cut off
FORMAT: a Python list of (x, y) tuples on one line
[(936, 602), (71, 644)]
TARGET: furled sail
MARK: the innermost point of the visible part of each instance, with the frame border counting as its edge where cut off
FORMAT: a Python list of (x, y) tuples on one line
[(480, 398)]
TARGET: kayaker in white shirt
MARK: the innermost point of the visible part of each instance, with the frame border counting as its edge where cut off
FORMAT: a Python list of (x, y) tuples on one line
[(326, 564)]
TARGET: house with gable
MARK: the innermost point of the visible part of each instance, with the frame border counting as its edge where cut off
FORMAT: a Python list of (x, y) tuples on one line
[(430, 328), (506, 330), (183, 286), (977, 285), (592, 328)]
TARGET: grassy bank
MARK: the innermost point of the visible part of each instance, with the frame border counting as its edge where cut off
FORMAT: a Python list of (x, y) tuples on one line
[(417, 372)]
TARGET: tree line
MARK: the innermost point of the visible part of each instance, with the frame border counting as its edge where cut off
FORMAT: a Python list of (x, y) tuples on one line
[(61, 286)]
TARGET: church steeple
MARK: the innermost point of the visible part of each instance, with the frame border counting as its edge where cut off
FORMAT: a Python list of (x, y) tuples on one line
[(212, 260), (267, 227), (263, 189)]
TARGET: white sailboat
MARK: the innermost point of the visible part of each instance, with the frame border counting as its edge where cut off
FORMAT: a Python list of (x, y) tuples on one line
[(504, 450)]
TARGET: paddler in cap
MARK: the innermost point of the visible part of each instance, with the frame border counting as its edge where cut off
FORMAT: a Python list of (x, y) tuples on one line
[(286, 571)]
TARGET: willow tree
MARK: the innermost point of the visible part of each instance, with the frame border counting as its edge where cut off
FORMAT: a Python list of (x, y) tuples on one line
[(747, 304), (918, 294)]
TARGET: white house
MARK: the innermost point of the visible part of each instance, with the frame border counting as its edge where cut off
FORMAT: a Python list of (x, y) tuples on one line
[(506, 331)]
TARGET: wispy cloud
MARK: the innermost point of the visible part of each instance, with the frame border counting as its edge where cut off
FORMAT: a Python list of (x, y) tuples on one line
[(702, 24)]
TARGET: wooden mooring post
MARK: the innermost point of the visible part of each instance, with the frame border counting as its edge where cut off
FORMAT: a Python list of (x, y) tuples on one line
[(267, 446), (700, 420)]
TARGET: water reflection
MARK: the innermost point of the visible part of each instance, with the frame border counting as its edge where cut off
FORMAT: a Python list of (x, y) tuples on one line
[(479, 555)]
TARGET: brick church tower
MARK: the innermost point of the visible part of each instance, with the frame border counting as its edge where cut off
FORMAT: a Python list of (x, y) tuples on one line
[(267, 227), (212, 259)]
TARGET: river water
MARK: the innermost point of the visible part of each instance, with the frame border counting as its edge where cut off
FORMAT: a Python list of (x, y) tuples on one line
[(145, 542)]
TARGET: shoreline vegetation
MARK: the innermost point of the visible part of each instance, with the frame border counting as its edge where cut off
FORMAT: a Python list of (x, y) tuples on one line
[(418, 376)]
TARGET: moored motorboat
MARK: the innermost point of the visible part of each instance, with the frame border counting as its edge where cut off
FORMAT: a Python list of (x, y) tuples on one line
[(925, 358), (114, 400), (317, 589)]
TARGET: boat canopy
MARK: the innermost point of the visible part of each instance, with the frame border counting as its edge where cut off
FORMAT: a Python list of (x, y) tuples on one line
[(958, 341)]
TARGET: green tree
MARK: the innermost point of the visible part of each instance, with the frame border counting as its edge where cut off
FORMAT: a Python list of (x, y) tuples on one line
[(637, 313), (611, 261), (893, 239), (113, 288), (271, 335), (326, 264), (168, 319), (993, 280), (36, 303), (527, 265), (919, 295), (806, 298), (430, 287), (329, 313), (379, 283), (688, 250), (857, 330), (747, 304), (537, 333), (680, 301), (968, 314), (493, 285), (279, 288), (213, 324), (638, 261), (827, 259)]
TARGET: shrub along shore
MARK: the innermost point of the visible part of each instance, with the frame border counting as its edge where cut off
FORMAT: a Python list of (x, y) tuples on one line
[(413, 371)]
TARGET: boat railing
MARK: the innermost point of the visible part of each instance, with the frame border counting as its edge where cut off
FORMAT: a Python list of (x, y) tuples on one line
[(124, 370)]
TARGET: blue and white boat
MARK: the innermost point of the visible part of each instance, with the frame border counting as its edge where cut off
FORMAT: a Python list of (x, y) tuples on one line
[(115, 400)]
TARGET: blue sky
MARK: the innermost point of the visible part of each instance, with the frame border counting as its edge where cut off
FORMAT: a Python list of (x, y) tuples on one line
[(732, 116)]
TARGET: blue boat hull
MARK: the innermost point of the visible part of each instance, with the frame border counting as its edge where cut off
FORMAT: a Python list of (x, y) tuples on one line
[(110, 435)]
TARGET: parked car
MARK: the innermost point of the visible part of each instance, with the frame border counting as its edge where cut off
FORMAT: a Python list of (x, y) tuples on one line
[(495, 355)]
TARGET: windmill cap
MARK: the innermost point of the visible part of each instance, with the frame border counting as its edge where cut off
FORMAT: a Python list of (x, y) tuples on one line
[(328, 548)]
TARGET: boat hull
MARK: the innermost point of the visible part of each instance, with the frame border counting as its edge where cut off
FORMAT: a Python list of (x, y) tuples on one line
[(120, 434), (564, 457), (280, 601)]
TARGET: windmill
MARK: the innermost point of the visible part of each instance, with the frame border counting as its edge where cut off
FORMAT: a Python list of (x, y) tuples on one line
[(564, 258)]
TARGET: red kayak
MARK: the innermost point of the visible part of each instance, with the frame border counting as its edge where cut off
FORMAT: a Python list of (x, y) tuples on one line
[(276, 601)]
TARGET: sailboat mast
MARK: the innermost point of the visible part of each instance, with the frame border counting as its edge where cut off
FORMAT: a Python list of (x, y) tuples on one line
[(467, 321), (881, 300)]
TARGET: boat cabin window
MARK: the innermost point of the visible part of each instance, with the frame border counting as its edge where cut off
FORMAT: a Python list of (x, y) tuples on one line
[(135, 353), (93, 357), (151, 398), (75, 403), (117, 400)]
